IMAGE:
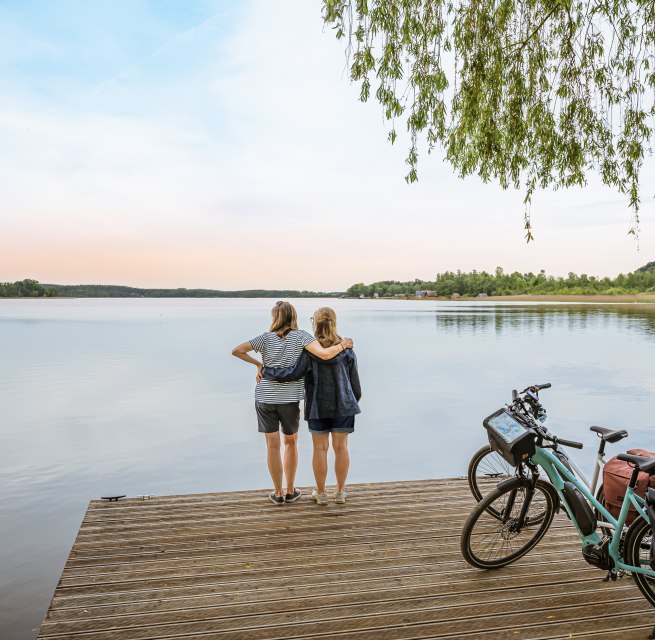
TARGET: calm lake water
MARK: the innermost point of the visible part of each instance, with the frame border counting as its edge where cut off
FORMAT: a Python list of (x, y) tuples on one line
[(143, 397)]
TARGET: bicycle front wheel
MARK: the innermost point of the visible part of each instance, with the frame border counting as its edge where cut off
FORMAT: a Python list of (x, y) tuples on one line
[(486, 469), (490, 542), (636, 550)]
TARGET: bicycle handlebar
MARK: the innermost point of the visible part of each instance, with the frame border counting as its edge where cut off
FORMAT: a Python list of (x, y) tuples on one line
[(538, 387), (533, 400), (568, 443)]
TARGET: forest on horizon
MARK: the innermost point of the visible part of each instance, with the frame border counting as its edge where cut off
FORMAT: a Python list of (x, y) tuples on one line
[(445, 284), (33, 289), (500, 283)]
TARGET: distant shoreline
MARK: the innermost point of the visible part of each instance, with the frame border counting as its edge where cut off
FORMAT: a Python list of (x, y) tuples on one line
[(639, 298), (638, 286), (646, 298)]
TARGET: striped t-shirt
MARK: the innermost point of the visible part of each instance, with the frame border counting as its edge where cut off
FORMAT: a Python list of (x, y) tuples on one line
[(280, 352)]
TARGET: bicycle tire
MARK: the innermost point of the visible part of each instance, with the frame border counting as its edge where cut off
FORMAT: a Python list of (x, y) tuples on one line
[(486, 541), (486, 464), (636, 551)]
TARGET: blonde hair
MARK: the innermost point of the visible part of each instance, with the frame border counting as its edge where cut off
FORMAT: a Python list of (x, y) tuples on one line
[(325, 327), (285, 319)]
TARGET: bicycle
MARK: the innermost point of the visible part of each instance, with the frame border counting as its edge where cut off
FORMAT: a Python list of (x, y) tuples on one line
[(487, 464), (527, 505)]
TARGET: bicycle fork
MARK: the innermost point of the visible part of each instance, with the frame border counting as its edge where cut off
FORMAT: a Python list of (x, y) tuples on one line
[(520, 521)]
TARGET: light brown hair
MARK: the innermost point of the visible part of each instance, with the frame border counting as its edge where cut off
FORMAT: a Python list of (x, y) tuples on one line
[(285, 319), (325, 327)]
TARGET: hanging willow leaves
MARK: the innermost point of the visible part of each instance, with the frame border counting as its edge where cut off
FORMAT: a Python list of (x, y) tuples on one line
[(527, 93)]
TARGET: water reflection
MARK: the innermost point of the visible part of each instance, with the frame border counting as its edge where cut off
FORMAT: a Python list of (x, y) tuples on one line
[(487, 319), (142, 397)]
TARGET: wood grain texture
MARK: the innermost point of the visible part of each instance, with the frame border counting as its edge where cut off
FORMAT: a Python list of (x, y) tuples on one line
[(384, 566)]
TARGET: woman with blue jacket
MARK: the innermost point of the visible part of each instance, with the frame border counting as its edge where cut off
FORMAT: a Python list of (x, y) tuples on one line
[(277, 404), (332, 392)]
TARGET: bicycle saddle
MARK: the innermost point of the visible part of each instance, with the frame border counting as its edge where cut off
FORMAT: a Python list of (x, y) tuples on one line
[(647, 465), (609, 435)]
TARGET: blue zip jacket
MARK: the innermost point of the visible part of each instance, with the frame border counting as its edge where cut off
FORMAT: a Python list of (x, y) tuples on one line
[(332, 388)]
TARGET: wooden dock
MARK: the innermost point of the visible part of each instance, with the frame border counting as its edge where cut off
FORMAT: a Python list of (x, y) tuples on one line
[(385, 566)]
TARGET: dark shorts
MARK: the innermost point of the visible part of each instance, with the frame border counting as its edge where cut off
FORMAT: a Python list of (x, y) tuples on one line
[(270, 417), (332, 425)]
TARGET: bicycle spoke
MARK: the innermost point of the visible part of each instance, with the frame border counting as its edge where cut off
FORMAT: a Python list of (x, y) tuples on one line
[(494, 466), (492, 539)]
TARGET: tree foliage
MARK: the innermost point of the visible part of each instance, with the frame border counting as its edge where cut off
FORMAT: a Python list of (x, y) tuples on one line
[(650, 266), (528, 93), (500, 283), (25, 289), (31, 288)]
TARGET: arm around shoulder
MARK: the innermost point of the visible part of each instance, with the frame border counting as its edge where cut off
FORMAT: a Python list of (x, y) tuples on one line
[(326, 353), (287, 374)]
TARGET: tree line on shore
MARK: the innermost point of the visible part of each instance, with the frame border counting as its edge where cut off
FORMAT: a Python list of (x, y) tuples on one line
[(445, 284), (26, 289), (500, 283), (33, 289)]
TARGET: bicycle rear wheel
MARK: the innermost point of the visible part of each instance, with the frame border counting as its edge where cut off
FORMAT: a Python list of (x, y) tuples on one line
[(490, 542), (636, 550), (486, 469)]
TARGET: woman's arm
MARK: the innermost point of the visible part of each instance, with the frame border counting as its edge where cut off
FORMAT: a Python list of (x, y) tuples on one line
[(286, 374), (241, 352), (329, 352)]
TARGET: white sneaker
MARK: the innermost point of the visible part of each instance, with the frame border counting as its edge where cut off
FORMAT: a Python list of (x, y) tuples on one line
[(319, 498), (340, 497)]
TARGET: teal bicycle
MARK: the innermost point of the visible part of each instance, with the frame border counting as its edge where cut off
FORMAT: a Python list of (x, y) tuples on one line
[(515, 516)]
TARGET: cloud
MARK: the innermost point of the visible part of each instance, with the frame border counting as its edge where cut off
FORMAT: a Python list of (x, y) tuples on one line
[(212, 150)]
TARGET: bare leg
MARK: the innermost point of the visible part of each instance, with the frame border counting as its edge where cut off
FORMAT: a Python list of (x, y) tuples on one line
[(341, 459), (319, 460), (274, 460), (290, 460)]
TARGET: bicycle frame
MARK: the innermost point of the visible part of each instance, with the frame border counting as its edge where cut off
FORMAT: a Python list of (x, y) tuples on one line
[(599, 461), (554, 469), (599, 464), (598, 468)]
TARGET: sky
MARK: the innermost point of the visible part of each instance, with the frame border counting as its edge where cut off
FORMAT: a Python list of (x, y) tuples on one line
[(198, 143)]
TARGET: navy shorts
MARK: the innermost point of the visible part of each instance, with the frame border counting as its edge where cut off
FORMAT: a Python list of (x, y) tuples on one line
[(345, 424), (270, 417)]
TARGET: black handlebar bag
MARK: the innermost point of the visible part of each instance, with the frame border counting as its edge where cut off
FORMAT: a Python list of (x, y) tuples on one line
[(509, 437)]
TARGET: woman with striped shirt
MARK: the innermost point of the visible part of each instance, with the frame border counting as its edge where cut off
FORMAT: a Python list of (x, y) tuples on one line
[(278, 403)]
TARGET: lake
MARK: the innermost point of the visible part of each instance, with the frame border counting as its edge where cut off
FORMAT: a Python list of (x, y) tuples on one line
[(142, 396)]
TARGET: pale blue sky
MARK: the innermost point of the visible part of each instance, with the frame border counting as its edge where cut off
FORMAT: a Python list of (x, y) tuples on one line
[(219, 144)]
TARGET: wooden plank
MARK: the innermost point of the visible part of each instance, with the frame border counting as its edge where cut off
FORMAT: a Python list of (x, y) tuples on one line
[(238, 603), (384, 566), (255, 590), (203, 561), (451, 620), (218, 618)]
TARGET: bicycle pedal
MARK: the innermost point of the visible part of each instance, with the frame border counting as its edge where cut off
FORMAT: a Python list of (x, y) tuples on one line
[(610, 576)]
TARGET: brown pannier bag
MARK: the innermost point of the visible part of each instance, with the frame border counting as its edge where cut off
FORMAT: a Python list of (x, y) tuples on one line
[(616, 476)]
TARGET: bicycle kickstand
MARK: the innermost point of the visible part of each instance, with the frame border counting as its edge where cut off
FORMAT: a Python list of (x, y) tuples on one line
[(652, 634)]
